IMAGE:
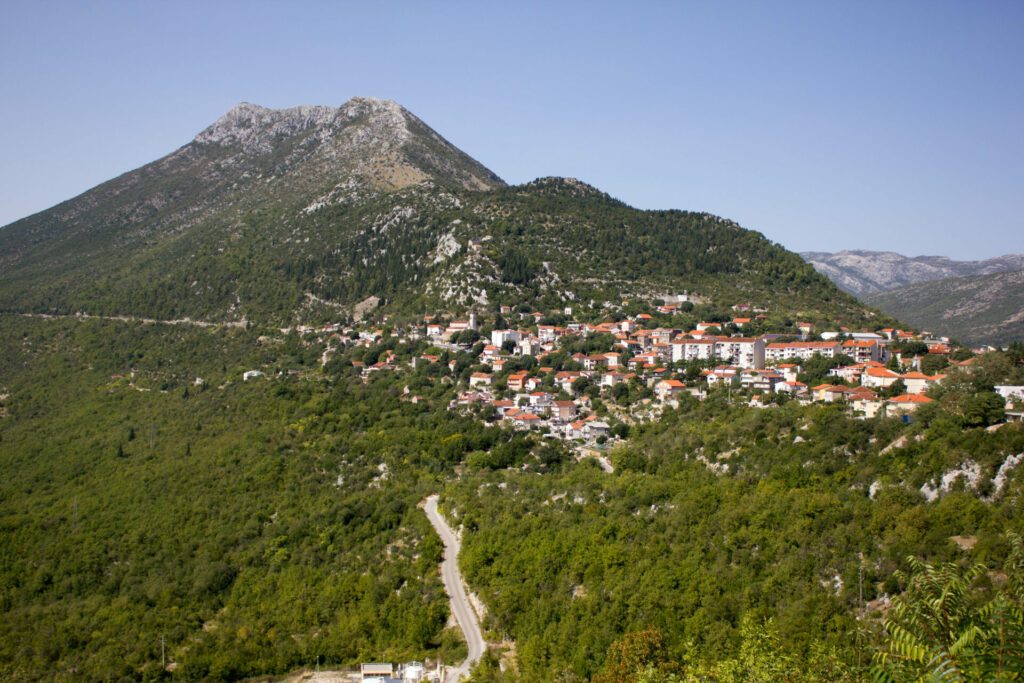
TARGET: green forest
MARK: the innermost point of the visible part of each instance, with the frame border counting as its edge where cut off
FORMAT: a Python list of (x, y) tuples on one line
[(164, 519)]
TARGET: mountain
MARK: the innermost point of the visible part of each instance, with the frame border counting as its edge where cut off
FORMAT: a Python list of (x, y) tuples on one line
[(866, 272), (190, 501), (298, 215), (982, 309)]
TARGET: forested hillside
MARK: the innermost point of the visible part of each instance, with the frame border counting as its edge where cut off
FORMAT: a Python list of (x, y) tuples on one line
[(295, 216), (151, 496), (718, 514), (250, 526), (229, 378)]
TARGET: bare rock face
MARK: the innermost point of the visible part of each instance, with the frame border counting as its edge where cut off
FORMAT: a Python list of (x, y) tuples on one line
[(256, 128), (378, 140)]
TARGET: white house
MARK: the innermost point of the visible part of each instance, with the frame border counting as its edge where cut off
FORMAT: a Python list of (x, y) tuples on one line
[(879, 378), (480, 379), (499, 337), (1011, 392)]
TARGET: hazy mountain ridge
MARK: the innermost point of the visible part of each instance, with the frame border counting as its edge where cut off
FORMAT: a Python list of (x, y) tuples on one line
[(861, 272), (982, 309)]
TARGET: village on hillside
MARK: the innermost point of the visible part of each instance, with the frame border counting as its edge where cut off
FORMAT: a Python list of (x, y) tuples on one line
[(587, 383)]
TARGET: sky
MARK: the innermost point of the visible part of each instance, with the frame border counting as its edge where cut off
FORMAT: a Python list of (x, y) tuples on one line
[(824, 125)]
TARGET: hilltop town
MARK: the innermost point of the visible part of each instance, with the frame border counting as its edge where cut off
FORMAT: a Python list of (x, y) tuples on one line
[(587, 383)]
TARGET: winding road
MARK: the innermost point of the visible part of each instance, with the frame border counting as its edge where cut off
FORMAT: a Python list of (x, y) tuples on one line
[(455, 586)]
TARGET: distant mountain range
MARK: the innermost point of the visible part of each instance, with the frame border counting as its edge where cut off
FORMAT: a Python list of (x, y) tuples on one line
[(862, 272), (975, 302), (982, 309)]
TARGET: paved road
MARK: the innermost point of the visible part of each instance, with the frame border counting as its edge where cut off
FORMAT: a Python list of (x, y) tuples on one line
[(455, 586), (130, 319)]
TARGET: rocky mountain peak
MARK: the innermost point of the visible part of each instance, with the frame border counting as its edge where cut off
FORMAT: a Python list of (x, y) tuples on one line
[(374, 138), (249, 123), (255, 127)]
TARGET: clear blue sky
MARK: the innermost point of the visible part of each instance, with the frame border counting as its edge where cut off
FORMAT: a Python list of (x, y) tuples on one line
[(824, 125)]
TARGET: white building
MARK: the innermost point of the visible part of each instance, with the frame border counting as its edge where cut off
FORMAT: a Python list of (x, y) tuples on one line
[(499, 337), (1011, 392), (685, 350), (803, 350), (746, 352)]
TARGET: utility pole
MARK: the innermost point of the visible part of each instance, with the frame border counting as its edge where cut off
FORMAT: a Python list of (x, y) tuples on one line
[(163, 653)]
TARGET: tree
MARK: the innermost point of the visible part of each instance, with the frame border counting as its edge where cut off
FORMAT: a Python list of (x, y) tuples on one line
[(933, 362), (944, 629), (634, 653)]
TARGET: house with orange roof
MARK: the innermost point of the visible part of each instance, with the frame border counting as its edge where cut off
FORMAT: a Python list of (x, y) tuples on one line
[(478, 379), (490, 351), (565, 378), (502, 406), (865, 401), (918, 382), (527, 420), (789, 371), (722, 373), (828, 393), (517, 380), (548, 333), (668, 389), (879, 378), (610, 379), (848, 373), (564, 411), (905, 404), (864, 350), (575, 430)]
